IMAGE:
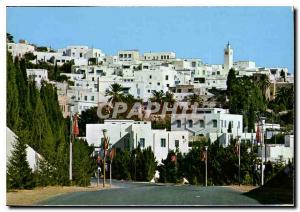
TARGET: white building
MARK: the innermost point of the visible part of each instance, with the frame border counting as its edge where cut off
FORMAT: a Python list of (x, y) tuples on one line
[(164, 56), (19, 49), (38, 75), (279, 152), (209, 122), (129, 55), (128, 134), (155, 79)]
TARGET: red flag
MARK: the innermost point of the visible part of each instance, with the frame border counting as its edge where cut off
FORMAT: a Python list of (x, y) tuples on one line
[(75, 126), (237, 148), (258, 133), (99, 160), (173, 158), (112, 153), (203, 155)]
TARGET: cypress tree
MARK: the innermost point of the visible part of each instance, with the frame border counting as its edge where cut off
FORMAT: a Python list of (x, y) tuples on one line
[(12, 105)]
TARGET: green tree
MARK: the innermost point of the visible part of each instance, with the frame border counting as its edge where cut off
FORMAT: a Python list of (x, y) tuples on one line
[(83, 162), (195, 98), (12, 105), (230, 80), (9, 38), (169, 97), (157, 96), (19, 174), (115, 93)]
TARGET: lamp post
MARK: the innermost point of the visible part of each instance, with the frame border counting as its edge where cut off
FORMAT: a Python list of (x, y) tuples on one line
[(239, 152), (263, 148), (111, 158), (71, 147), (135, 166), (105, 146), (206, 147)]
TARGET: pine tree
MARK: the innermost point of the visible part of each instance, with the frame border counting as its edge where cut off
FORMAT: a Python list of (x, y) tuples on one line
[(19, 174)]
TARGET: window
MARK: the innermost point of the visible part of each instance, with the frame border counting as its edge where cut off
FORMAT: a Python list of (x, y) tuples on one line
[(158, 83), (218, 72), (190, 123), (167, 77), (148, 91), (150, 76), (161, 57), (92, 98), (215, 123), (121, 55), (142, 142), (145, 57), (85, 98), (178, 123), (129, 55), (168, 57), (163, 142), (201, 123), (176, 143), (178, 90), (190, 90), (80, 54), (93, 79), (168, 85)]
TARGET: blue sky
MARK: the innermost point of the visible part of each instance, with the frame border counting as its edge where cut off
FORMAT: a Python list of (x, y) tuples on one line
[(261, 34)]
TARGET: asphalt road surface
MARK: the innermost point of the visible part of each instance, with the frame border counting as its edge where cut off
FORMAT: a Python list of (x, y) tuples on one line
[(150, 194)]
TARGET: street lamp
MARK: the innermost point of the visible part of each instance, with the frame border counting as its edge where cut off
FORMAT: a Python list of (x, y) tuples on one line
[(239, 154), (261, 121), (206, 147), (111, 158), (105, 147)]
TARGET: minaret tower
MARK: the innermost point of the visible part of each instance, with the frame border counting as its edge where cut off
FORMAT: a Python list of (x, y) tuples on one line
[(228, 58)]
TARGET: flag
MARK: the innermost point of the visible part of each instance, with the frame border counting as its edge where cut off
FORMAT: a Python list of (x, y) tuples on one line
[(258, 134), (203, 155), (112, 153), (99, 160), (173, 158), (75, 126), (237, 148)]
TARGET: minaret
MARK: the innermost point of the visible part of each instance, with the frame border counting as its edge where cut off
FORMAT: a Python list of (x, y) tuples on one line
[(228, 58)]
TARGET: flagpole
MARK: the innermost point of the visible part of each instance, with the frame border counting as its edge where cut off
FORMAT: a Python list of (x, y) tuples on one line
[(71, 148), (239, 161), (206, 147)]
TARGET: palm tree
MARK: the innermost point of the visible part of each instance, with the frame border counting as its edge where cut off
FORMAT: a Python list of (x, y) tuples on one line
[(265, 82), (195, 98), (285, 96), (157, 96), (169, 97), (115, 93)]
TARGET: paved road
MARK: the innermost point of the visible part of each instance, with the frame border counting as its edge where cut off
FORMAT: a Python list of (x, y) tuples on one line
[(146, 194)]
